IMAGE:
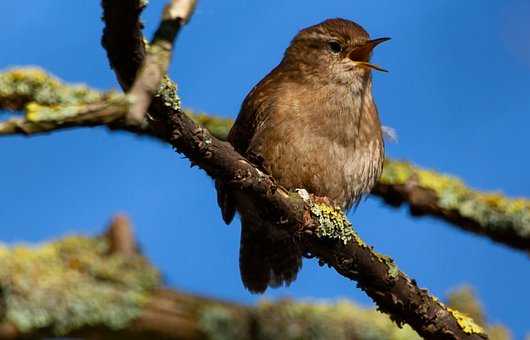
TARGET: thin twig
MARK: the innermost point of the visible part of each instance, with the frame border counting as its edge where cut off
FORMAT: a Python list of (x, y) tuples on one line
[(121, 236), (158, 57)]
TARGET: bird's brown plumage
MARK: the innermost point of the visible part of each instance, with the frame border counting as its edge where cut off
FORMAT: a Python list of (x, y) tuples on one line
[(313, 123)]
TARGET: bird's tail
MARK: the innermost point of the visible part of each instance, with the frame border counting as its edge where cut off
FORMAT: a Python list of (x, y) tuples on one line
[(267, 257)]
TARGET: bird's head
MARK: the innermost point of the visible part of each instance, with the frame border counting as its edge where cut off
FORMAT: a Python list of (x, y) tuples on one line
[(338, 49)]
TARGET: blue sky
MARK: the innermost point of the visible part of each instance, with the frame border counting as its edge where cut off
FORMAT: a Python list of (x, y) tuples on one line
[(457, 94)]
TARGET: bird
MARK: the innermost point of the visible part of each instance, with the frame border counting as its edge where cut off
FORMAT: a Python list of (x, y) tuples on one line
[(312, 124)]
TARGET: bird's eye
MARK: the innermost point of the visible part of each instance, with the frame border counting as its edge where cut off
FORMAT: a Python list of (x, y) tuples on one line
[(335, 47)]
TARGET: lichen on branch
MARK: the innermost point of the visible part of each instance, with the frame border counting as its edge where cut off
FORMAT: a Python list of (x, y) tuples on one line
[(503, 219), (20, 87), (73, 283)]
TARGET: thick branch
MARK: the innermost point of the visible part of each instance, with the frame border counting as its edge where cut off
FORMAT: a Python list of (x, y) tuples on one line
[(51, 105), (123, 39)]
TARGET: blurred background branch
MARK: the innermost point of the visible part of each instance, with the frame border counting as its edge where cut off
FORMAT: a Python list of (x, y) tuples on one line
[(48, 105), (101, 287)]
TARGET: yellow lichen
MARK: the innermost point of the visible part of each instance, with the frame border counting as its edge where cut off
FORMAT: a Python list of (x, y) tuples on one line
[(492, 211), (466, 323), (464, 300), (333, 224), (19, 87), (395, 172)]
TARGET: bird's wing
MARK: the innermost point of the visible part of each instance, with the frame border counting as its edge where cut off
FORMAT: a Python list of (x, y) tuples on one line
[(256, 106)]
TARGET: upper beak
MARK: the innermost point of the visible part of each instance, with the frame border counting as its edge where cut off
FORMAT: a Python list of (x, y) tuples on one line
[(361, 54)]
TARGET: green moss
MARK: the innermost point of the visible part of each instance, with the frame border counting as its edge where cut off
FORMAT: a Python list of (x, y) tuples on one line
[(71, 283), (490, 210)]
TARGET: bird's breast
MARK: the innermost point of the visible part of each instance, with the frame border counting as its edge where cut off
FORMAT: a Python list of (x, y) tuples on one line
[(332, 148)]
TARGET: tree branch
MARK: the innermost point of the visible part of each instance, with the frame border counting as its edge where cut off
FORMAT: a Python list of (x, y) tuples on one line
[(158, 57), (504, 220), (123, 39), (79, 287), (51, 105), (322, 230)]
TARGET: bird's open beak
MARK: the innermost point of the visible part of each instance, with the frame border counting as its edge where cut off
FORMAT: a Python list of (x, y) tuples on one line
[(361, 54)]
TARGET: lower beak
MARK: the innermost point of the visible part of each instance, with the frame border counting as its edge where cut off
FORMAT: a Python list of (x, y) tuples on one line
[(362, 53), (369, 66)]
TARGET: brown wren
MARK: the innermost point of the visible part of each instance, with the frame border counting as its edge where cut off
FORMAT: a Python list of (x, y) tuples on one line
[(313, 123)]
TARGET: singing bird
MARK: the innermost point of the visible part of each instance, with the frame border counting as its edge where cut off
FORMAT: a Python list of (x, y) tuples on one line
[(313, 124)]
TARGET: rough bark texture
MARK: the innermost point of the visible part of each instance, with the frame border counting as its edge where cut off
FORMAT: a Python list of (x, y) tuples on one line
[(123, 38)]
